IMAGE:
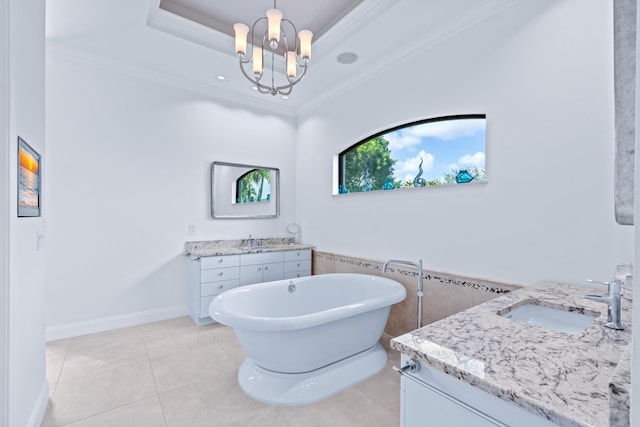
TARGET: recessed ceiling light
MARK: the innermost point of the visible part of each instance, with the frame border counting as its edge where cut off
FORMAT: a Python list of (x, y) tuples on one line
[(254, 87), (285, 97), (347, 58), (220, 77)]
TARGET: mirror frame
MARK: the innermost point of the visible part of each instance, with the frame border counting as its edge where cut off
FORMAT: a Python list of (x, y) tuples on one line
[(275, 195)]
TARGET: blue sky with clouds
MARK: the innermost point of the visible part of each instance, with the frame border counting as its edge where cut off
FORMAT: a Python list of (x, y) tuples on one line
[(443, 146)]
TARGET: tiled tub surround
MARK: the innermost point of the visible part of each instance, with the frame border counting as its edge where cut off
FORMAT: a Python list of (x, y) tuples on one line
[(241, 246), (445, 294), (564, 378)]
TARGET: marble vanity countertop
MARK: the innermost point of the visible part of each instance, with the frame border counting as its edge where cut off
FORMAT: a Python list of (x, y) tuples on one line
[(565, 378), (242, 246)]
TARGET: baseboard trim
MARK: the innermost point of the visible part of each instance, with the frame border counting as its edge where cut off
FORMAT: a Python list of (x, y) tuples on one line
[(40, 407), (70, 330)]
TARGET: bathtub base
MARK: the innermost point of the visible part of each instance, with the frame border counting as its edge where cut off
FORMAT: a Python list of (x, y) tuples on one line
[(302, 389)]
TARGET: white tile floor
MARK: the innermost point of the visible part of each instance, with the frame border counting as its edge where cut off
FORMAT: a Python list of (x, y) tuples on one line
[(173, 373)]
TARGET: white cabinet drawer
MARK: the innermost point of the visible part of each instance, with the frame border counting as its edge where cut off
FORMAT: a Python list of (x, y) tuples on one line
[(297, 265), (219, 261), (297, 255), (296, 274), (219, 274), (215, 288), (261, 258)]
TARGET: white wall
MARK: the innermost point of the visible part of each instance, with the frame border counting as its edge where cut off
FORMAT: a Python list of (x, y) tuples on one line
[(128, 171), (4, 212), (27, 387), (542, 72)]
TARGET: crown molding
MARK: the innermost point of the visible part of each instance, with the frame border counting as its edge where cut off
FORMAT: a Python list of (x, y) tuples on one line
[(351, 23), (186, 29), (257, 104)]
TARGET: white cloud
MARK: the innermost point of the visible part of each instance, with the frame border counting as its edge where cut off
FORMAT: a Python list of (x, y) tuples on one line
[(476, 160), (408, 169), (469, 160), (445, 130), (402, 139)]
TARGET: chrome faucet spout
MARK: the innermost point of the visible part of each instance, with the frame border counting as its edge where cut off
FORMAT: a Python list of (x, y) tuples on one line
[(418, 266), (613, 301)]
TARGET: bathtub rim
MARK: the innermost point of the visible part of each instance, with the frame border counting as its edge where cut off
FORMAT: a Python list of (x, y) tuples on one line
[(307, 320)]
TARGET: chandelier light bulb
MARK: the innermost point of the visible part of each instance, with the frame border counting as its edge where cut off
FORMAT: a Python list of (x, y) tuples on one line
[(274, 17), (241, 31), (257, 61), (291, 64), (305, 43)]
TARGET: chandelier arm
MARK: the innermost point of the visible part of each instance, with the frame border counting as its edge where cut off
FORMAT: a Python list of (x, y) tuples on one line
[(295, 33), (251, 79), (292, 83), (302, 64), (273, 73)]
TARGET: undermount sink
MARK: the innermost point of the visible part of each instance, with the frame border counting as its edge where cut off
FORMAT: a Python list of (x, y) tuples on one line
[(556, 319)]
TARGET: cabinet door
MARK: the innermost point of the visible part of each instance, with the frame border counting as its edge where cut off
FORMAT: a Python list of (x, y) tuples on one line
[(271, 272), (250, 274), (423, 405)]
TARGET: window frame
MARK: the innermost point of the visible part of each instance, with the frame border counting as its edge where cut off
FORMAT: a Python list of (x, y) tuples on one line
[(341, 155)]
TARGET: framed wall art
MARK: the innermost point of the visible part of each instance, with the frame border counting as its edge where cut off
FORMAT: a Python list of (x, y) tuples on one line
[(29, 180)]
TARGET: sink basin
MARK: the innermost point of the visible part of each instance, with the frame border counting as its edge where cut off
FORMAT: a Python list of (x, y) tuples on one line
[(556, 319)]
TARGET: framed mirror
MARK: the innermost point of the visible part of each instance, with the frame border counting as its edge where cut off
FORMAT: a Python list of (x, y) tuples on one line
[(244, 191)]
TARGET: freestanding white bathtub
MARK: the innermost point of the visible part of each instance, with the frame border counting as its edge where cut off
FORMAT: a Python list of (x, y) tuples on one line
[(310, 337)]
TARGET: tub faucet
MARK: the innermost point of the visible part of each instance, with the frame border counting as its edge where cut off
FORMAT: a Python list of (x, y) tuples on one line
[(417, 265), (613, 303)]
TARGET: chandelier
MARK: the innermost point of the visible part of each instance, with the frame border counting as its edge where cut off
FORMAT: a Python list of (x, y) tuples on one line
[(275, 42)]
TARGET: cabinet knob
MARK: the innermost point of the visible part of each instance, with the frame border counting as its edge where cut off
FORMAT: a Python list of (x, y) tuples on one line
[(220, 286), (259, 268), (220, 260), (266, 268), (220, 274), (298, 264)]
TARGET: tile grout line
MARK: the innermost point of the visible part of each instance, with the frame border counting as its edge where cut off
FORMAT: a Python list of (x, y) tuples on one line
[(64, 360), (146, 350)]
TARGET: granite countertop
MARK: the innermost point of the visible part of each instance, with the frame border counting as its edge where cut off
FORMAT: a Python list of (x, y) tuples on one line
[(242, 246), (566, 378)]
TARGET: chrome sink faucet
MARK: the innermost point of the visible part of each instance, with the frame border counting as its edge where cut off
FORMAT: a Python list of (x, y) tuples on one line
[(613, 303), (417, 265)]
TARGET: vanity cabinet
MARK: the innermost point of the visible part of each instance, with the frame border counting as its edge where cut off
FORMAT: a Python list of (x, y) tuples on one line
[(430, 397), (210, 276)]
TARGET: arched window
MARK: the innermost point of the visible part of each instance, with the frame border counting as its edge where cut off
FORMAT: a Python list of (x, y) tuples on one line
[(431, 152)]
